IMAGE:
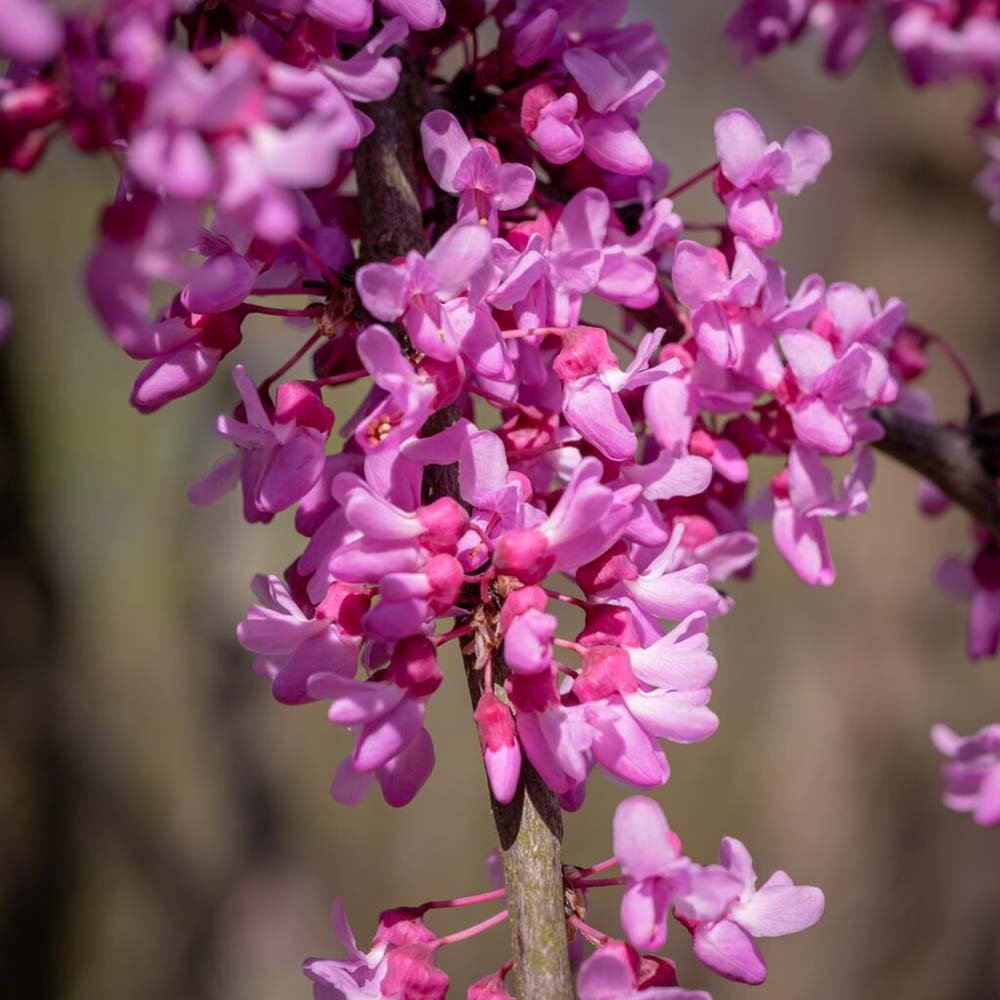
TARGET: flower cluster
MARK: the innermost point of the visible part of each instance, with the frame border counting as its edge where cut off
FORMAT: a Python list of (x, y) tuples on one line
[(936, 40), (509, 456), (719, 904)]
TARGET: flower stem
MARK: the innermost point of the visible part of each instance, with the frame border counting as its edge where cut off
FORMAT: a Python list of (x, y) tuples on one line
[(483, 925), (691, 181)]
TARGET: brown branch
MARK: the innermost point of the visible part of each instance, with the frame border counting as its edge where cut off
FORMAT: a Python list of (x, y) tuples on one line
[(947, 456), (530, 827)]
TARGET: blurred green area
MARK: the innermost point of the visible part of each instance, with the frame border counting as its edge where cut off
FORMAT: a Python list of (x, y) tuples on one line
[(167, 827)]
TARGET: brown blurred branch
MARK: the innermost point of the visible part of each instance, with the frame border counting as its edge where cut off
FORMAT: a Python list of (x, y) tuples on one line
[(530, 827), (948, 457)]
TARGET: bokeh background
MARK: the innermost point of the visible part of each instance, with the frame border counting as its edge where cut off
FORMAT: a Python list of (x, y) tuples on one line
[(166, 828)]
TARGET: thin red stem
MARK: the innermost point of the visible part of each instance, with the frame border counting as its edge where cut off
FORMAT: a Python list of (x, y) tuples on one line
[(294, 290), (251, 307), (592, 934), (601, 866), (455, 633), (503, 404), (691, 181), (483, 925), (324, 269), (565, 598), (341, 379), (447, 904), (599, 883), (292, 361), (960, 367)]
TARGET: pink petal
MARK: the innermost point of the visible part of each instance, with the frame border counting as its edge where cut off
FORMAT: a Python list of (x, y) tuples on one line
[(728, 950), (642, 841), (775, 910), (403, 776), (809, 152), (445, 147), (752, 214), (612, 143), (740, 144)]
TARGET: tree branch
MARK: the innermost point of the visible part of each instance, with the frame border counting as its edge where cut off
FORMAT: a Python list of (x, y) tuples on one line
[(948, 457), (530, 827)]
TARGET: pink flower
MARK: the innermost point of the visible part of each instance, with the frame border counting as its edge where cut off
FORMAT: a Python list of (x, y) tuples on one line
[(615, 972), (414, 291), (827, 396), (978, 582), (292, 646), (750, 167), (359, 976), (802, 495), (616, 94), (501, 749), (592, 381), (587, 519), (972, 775), (402, 401), (657, 875), (550, 120), (777, 908), (485, 186), (278, 458), (388, 708), (30, 32)]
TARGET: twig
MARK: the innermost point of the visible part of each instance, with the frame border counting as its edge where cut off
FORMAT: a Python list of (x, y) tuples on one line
[(947, 457)]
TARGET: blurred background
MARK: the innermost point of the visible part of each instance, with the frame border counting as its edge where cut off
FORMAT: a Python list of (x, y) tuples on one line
[(167, 831)]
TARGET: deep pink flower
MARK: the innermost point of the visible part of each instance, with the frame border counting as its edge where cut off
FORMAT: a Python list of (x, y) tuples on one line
[(750, 167), (415, 290), (279, 457), (30, 32), (777, 908), (292, 646), (802, 495), (359, 976), (392, 745), (972, 775), (978, 582), (473, 171), (658, 875), (614, 972)]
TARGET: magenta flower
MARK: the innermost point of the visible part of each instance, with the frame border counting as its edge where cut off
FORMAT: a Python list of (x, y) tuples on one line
[(616, 93), (778, 907), (403, 399), (414, 291), (501, 749), (587, 519), (972, 774), (750, 167), (485, 186), (592, 381), (804, 494), (292, 646), (615, 972), (665, 589), (528, 630), (359, 976), (978, 582), (30, 32), (550, 120), (393, 747), (658, 875), (278, 458), (827, 396)]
